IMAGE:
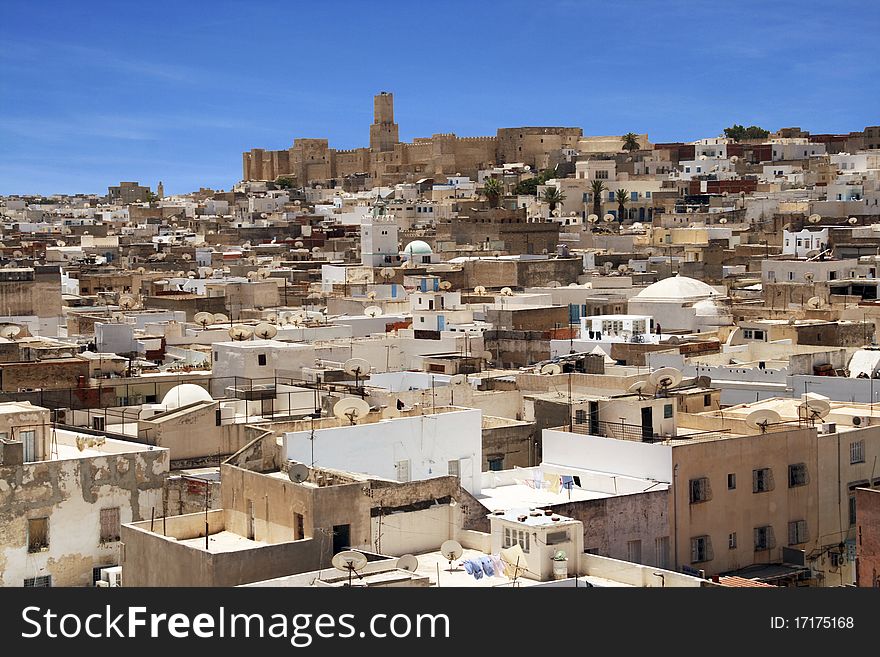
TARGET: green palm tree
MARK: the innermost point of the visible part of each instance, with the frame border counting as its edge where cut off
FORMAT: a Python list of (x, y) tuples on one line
[(493, 191), (631, 142), (596, 189), (552, 196), (622, 198)]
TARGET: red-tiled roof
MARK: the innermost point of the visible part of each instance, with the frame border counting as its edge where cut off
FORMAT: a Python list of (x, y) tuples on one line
[(733, 580)]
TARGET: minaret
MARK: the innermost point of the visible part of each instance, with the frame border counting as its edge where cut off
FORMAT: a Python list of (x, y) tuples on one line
[(383, 132), (160, 190)]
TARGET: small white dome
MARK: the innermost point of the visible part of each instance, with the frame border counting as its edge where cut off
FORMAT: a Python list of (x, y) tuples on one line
[(678, 288), (417, 247), (184, 395)]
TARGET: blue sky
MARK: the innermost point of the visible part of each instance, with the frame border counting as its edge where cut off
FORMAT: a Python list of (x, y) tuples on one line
[(92, 93)]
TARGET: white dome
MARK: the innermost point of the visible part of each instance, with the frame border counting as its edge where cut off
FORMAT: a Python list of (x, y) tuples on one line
[(184, 395), (418, 247), (678, 288)]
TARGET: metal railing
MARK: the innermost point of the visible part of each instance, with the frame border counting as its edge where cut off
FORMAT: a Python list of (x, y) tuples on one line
[(637, 432)]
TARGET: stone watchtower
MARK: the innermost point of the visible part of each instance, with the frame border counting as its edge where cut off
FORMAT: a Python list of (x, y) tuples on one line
[(383, 132)]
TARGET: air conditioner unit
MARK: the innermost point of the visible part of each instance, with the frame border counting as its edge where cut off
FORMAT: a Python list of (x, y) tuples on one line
[(102, 583), (829, 427), (861, 421), (112, 575)]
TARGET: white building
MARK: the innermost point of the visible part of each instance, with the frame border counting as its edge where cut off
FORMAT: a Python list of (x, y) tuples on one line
[(407, 448), (799, 244), (64, 495), (379, 239), (682, 303), (260, 359)]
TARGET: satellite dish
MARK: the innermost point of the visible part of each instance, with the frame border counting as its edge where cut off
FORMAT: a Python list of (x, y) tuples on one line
[(315, 249), (479, 289), (372, 311), (297, 472), (60, 243), (665, 378), (351, 409), (853, 221), (809, 276), (723, 220), (408, 562), (265, 331), (445, 285), (357, 367), (639, 387), (451, 551), (298, 244), (272, 318), (814, 409), (551, 368), (506, 291), (734, 159), (371, 294), (141, 270), (205, 319), (220, 318), (10, 331), (240, 332), (762, 418), (814, 218), (349, 561), (458, 380), (554, 284), (386, 272), (593, 218), (17, 254), (703, 156), (608, 218), (814, 302), (126, 302)]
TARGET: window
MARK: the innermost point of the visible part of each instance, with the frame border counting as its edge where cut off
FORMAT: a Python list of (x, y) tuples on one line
[(700, 549), (452, 468), (791, 275), (731, 541), (602, 175), (797, 475), (857, 452), (28, 439), (699, 490), (661, 550), (298, 528), (731, 481), (634, 551), (633, 196), (797, 532), (852, 508), (261, 359), (647, 194), (761, 480), (496, 463), (610, 196), (667, 411), (707, 400), (44, 581), (748, 334), (110, 525), (580, 416), (764, 538), (403, 473), (98, 423), (557, 538), (38, 534), (516, 537)]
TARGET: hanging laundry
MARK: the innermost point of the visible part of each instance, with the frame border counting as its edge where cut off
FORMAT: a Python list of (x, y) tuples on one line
[(577, 481), (567, 482), (487, 566), (497, 565), (553, 482)]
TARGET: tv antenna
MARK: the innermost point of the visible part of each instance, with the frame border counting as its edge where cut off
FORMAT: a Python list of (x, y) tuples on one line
[(639, 388), (762, 418), (351, 409), (265, 331), (408, 562), (665, 378), (10, 331), (451, 551), (205, 319), (357, 367), (240, 332), (297, 472), (350, 561)]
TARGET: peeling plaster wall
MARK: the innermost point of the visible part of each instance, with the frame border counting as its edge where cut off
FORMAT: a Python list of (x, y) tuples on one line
[(71, 493)]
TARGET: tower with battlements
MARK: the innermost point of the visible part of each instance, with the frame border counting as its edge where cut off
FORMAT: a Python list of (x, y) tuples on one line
[(383, 131)]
